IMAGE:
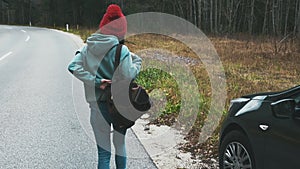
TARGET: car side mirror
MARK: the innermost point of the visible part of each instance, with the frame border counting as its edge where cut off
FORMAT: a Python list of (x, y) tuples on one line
[(284, 109)]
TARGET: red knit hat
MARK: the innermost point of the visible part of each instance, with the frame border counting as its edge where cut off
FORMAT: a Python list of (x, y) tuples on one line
[(114, 22)]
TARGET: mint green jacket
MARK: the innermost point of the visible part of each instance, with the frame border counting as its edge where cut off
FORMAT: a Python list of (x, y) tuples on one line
[(95, 61)]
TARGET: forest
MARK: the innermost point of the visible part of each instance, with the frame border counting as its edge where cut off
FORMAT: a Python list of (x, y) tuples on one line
[(220, 17)]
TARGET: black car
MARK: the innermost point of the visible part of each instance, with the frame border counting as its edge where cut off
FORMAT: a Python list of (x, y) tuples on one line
[(262, 131)]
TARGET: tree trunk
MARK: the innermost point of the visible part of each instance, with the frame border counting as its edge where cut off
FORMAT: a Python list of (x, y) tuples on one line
[(2, 11), (205, 15), (194, 12), (122, 4), (280, 18), (30, 6), (220, 16), (264, 30), (250, 28), (287, 17), (235, 13), (298, 20), (211, 15), (74, 11), (181, 13), (190, 10), (162, 6), (273, 18), (216, 17), (199, 13), (229, 15), (8, 17), (22, 12), (174, 8)]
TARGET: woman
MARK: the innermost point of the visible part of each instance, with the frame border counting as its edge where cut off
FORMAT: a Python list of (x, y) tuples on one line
[(94, 65)]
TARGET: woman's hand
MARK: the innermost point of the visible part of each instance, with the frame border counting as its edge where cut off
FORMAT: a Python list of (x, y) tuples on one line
[(104, 83)]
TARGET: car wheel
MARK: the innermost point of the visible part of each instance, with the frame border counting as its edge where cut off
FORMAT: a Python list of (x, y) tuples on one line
[(235, 152)]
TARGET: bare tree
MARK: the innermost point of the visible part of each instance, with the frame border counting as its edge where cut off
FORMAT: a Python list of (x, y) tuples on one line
[(199, 13), (216, 16), (190, 9), (286, 17), (251, 17), (264, 29), (297, 18), (2, 12), (211, 15), (231, 12), (180, 8), (194, 12), (273, 17), (220, 15)]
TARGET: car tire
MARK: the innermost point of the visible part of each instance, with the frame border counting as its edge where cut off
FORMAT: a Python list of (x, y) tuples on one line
[(235, 152)]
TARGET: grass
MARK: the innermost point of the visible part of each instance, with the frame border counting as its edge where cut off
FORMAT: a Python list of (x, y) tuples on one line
[(255, 66), (251, 65)]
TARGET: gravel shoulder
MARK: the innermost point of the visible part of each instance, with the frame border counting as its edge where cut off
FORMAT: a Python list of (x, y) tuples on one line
[(162, 144)]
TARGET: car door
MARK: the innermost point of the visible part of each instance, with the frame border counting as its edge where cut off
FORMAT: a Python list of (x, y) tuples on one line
[(283, 140)]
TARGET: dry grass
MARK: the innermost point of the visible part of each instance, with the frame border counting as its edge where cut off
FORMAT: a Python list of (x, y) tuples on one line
[(255, 66), (251, 66)]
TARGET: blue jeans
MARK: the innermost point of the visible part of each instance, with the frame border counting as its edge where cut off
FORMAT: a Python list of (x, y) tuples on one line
[(101, 123)]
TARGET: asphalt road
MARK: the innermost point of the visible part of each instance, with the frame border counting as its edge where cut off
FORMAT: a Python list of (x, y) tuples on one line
[(39, 125)]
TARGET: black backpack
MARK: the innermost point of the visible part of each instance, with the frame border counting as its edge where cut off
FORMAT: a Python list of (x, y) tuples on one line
[(138, 96)]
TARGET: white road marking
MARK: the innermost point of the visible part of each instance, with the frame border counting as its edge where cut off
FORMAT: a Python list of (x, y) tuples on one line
[(23, 31), (27, 39), (4, 56)]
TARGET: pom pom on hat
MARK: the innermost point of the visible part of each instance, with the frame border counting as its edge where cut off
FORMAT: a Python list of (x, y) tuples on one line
[(114, 22)]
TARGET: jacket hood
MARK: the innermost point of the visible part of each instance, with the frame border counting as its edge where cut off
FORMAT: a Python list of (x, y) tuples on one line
[(100, 44)]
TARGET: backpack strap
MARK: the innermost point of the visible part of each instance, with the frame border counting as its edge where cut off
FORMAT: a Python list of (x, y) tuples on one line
[(109, 101), (118, 56)]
